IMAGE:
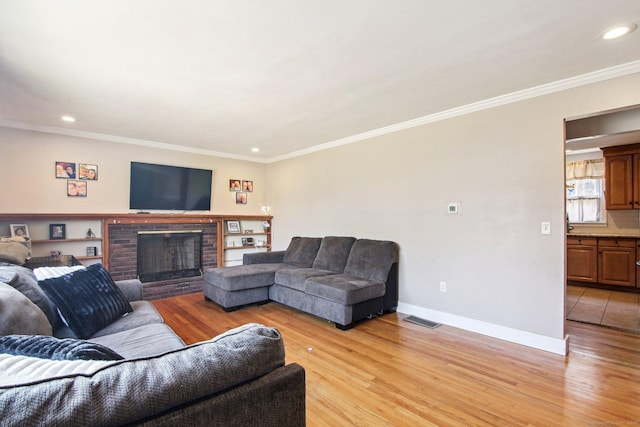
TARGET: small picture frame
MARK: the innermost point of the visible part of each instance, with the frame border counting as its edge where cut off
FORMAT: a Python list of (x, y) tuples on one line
[(247, 186), (20, 230), (65, 170), (92, 251), (87, 171), (241, 198), (57, 231), (76, 188), (247, 241), (234, 185), (233, 226)]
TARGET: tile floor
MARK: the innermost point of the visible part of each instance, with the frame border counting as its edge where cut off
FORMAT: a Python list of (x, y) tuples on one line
[(615, 309)]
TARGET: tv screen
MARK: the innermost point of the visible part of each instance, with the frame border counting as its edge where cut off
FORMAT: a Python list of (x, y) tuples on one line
[(163, 187)]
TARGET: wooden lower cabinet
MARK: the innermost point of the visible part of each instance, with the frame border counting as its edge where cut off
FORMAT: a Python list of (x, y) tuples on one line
[(582, 259), (603, 260), (617, 262)]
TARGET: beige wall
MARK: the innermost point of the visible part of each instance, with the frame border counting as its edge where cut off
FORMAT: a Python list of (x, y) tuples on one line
[(29, 183), (505, 166)]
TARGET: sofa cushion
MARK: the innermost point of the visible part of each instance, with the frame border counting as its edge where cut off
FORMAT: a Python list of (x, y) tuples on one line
[(302, 251), (146, 340), (344, 288), (295, 277), (240, 277), (333, 253), (122, 392), (55, 348), (88, 299), (19, 315), (372, 259), (23, 280)]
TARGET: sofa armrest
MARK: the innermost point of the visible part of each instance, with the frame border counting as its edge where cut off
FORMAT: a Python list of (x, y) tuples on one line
[(132, 289), (263, 257), (273, 400)]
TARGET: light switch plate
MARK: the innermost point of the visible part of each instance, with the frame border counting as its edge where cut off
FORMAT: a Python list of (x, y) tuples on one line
[(545, 228), (452, 208)]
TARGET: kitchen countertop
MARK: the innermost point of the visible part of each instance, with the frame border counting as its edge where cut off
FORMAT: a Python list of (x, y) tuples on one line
[(604, 235)]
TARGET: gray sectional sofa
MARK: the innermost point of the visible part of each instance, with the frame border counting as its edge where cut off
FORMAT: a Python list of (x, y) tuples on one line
[(340, 279), (236, 379)]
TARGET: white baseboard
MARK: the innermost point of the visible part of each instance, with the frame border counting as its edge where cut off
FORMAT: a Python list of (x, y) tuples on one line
[(529, 339)]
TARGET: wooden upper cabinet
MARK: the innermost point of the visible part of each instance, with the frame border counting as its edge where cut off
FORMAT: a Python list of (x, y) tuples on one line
[(622, 176), (618, 182)]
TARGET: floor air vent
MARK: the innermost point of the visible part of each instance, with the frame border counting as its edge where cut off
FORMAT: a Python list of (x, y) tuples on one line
[(421, 322)]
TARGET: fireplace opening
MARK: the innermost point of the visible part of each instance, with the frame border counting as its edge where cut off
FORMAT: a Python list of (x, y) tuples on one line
[(165, 255)]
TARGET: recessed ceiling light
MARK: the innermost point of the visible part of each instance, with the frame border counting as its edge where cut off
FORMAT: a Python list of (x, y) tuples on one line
[(619, 31), (68, 119), (255, 150)]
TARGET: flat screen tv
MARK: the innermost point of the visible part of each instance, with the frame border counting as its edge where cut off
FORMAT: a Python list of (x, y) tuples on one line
[(163, 187)]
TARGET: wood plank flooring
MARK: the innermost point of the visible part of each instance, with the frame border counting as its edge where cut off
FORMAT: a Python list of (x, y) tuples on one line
[(389, 372)]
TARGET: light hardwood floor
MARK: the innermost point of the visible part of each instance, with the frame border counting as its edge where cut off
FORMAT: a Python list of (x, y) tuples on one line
[(389, 372)]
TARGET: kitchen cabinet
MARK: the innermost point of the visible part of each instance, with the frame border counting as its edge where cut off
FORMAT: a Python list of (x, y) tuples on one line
[(622, 177), (582, 259), (617, 262)]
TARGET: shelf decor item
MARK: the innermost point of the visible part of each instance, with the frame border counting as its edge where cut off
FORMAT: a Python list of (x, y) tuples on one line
[(233, 226), (20, 230), (92, 251), (57, 231)]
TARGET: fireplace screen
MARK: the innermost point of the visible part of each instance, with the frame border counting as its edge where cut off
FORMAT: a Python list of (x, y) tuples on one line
[(166, 255)]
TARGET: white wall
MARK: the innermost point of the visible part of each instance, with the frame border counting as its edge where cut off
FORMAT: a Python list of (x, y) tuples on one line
[(29, 184), (505, 166)]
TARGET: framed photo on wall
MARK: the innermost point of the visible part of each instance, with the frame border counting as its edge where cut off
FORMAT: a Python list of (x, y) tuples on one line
[(76, 188), (57, 231), (234, 185), (87, 171), (65, 170), (247, 186), (241, 198)]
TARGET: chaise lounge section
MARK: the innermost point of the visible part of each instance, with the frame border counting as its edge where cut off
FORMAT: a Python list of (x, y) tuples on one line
[(341, 279)]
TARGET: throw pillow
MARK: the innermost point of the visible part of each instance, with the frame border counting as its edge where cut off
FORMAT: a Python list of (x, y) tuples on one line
[(88, 299), (55, 348), (15, 250), (23, 280), (18, 315)]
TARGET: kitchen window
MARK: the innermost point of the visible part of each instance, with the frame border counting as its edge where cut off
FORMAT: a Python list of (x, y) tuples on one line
[(585, 191)]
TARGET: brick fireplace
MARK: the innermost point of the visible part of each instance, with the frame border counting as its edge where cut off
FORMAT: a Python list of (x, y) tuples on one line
[(123, 249)]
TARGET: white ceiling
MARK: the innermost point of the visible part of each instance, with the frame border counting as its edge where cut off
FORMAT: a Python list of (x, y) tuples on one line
[(223, 76)]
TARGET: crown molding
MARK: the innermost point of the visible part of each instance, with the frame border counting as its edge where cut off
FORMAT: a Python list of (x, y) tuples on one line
[(546, 89)]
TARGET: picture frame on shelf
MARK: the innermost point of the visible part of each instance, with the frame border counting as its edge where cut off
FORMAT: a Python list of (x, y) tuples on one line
[(247, 241), (57, 231), (233, 226), (20, 230), (92, 251)]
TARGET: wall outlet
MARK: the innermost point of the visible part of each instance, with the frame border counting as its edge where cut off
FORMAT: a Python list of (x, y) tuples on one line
[(443, 286)]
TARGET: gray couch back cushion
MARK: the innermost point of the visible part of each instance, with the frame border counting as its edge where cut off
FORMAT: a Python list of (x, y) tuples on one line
[(372, 259), (302, 251), (333, 253)]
